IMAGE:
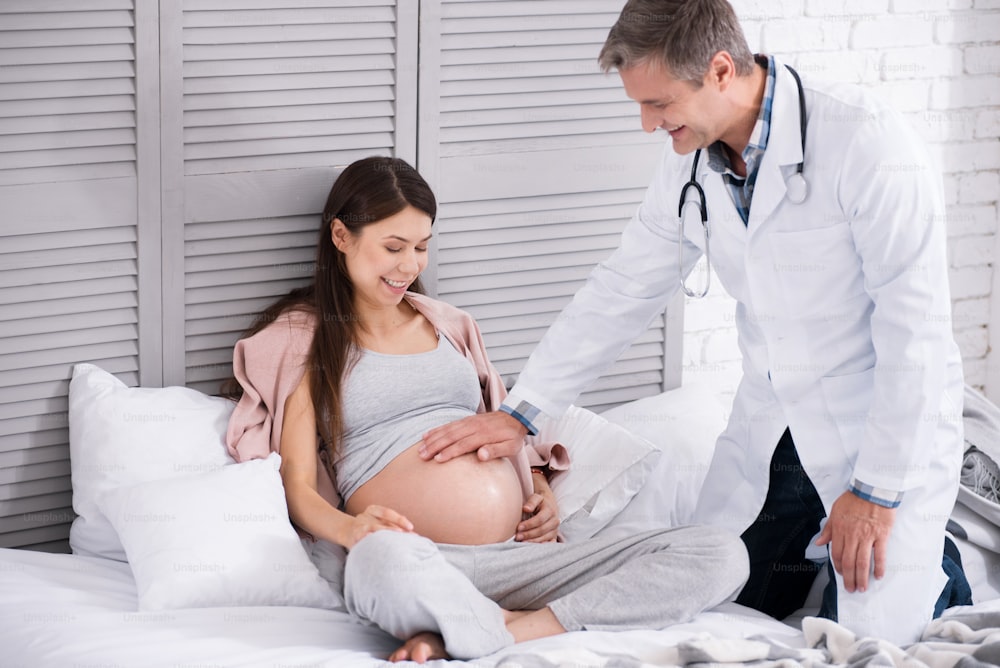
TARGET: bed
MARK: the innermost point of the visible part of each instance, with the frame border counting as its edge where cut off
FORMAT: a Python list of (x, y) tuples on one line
[(183, 557)]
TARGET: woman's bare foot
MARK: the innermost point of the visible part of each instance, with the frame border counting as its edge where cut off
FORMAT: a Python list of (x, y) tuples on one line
[(421, 648)]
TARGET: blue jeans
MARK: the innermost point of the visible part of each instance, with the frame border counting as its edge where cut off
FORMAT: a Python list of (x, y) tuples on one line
[(780, 574)]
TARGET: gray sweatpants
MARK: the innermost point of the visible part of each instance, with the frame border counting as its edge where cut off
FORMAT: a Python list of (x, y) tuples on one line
[(405, 583)]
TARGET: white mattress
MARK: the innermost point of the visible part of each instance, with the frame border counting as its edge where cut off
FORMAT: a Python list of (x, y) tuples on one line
[(65, 610)]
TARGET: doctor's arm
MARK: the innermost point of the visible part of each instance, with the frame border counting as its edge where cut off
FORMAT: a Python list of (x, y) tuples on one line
[(490, 435), (895, 207)]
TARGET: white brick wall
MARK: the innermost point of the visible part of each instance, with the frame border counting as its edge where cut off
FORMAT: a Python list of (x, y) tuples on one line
[(938, 61)]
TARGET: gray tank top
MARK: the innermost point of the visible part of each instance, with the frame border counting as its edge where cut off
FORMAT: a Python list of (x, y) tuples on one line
[(390, 401)]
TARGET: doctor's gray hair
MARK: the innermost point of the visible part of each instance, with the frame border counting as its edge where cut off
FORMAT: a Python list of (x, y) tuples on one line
[(682, 35)]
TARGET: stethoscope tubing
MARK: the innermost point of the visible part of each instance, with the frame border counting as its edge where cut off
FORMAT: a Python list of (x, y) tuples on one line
[(796, 188)]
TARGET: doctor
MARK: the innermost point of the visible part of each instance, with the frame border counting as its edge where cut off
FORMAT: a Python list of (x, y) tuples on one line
[(825, 221)]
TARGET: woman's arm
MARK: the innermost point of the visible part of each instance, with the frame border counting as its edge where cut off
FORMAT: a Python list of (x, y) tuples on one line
[(542, 523), (306, 507)]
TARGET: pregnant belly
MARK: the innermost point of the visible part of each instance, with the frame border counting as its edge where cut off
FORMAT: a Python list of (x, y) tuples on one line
[(462, 501)]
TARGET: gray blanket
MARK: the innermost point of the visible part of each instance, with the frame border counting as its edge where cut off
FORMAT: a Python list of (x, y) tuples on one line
[(967, 637), (980, 471)]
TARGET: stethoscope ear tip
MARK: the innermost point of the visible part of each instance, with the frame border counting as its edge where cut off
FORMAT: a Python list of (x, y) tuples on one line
[(796, 189)]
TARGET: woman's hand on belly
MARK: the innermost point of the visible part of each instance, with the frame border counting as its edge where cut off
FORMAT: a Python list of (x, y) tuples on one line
[(371, 519), (463, 500), (541, 523)]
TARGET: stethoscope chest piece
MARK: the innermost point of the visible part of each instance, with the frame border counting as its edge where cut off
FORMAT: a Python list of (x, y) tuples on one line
[(796, 188)]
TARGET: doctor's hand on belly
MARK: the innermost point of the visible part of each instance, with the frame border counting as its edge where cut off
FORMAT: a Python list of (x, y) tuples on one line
[(855, 530), (490, 435)]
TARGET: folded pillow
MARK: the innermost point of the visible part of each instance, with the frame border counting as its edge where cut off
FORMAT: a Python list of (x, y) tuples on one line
[(608, 466), (121, 436), (221, 538), (684, 423), (329, 559)]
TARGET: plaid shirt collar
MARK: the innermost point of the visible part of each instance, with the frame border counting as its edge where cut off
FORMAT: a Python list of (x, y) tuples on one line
[(741, 188)]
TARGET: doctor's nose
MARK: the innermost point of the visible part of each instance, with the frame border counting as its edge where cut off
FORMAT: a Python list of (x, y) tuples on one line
[(650, 121)]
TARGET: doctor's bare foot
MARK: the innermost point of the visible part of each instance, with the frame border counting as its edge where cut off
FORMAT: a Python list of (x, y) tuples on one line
[(421, 648)]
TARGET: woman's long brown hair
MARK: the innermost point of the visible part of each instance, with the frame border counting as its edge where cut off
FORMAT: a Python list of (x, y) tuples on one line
[(367, 191)]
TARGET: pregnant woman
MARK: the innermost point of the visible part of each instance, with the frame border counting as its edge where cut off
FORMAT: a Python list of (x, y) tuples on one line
[(344, 377)]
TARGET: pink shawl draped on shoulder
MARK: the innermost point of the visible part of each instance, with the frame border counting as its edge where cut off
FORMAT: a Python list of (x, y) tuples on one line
[(270, 364)]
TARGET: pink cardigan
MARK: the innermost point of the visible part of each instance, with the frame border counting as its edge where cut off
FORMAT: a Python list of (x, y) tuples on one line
[(269, 366)]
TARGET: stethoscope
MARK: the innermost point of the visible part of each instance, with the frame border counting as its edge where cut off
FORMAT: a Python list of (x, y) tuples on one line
[(796, 190)]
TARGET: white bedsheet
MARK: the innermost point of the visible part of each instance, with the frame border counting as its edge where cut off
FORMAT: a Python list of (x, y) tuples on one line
[(63, 610), (59, 610), (66, 610)]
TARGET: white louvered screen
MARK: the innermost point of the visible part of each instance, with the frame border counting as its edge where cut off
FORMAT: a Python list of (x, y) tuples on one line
[(539, 162), (291, 85), (66, 90), (277, 97), (246, 254), (512, 264), (523, 76), (68, 239)]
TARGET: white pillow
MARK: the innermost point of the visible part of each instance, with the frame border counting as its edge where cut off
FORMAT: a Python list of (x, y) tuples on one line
[(684, 423), (121, 436), (608, 465), (329, 559), (215, 539)]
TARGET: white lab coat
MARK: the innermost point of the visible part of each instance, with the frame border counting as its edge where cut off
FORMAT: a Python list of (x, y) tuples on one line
[(843, 312)]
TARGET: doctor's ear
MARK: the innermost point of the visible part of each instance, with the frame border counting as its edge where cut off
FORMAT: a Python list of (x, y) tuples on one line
[(721, 70), (339, 234)]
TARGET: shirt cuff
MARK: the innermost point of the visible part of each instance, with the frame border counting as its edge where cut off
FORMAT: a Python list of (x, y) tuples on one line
[(523, 413), (886, 498)]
